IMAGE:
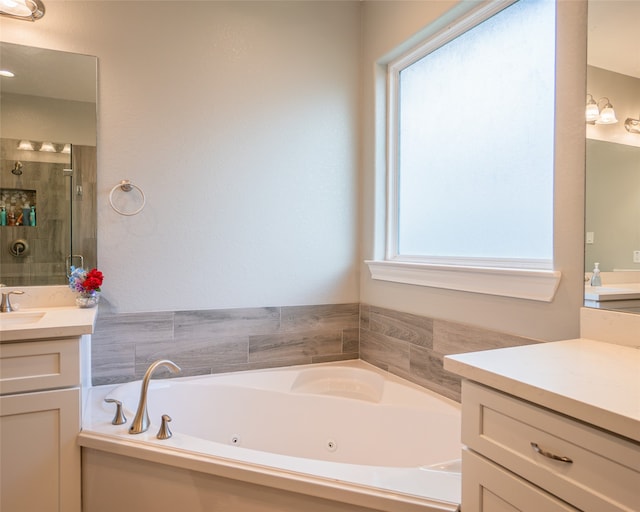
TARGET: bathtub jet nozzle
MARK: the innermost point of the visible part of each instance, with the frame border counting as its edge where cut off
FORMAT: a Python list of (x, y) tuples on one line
[(141, 421)]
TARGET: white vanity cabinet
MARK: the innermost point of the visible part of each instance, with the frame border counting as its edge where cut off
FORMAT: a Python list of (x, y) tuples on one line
[(40, 398), (520, 456), (550, 427)]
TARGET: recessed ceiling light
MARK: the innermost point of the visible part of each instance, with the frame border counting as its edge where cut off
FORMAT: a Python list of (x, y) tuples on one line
[(7, 73)]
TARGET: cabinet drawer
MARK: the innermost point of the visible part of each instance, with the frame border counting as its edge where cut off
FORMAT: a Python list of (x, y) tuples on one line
[(488, 487), (39, 365), (604, 472)]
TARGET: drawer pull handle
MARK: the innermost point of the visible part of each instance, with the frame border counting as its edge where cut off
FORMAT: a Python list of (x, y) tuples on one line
[(550, 455)]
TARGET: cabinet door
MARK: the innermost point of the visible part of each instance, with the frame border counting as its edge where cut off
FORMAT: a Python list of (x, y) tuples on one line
[(487, 487), (39, 456)]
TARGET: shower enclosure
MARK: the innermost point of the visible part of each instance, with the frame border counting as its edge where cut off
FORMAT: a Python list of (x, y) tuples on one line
[(47, 211)]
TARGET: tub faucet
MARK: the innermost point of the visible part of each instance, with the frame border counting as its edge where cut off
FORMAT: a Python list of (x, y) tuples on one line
[(141, 421)]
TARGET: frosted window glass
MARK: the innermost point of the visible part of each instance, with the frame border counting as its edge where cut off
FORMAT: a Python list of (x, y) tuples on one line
[(475, 141)]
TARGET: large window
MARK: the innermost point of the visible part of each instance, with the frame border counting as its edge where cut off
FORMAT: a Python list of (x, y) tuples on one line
[(471, 145)]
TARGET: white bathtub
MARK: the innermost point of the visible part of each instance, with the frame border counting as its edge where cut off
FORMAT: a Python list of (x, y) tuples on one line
[(346, 432)]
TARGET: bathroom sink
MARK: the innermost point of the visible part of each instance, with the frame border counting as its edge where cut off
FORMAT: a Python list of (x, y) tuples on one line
[(46, 312), (16, 318)]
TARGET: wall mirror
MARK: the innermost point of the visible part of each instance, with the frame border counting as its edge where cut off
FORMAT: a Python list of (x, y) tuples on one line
[(48, 164), (612, 215)]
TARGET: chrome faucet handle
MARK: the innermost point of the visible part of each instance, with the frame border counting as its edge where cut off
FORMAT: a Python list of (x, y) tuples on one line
[(119, 418), (5, 305), (164, 432)]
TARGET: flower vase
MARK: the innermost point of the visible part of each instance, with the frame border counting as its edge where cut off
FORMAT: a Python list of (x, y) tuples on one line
[(87, 299)]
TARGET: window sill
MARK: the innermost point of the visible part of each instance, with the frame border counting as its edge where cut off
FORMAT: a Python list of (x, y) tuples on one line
[(539, 285)]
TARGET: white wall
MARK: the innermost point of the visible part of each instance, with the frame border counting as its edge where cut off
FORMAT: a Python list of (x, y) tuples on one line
[(239, 120), (387, 24)]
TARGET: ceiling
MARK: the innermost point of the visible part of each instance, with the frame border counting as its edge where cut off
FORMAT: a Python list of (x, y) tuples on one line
[(614, 26)]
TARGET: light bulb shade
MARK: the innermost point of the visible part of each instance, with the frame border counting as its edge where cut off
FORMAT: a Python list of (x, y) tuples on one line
[(25, 145), (591, 113), (607, 116), (66, 149), (29, 10), (48, 147)]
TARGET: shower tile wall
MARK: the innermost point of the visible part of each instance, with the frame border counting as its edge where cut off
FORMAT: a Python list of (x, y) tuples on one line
[(223, 340), (48, 241)]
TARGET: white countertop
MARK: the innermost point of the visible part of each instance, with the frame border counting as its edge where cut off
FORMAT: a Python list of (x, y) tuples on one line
[(46, 322), (593, 381), (621, 291)]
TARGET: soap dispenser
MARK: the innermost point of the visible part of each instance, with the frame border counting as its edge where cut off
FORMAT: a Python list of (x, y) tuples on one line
[(596, 280)]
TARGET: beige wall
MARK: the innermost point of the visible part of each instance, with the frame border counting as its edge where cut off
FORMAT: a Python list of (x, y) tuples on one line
[(545, 321)]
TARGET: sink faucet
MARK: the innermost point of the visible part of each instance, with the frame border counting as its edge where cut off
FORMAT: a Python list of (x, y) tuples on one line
[(5, 305), (141, 421)]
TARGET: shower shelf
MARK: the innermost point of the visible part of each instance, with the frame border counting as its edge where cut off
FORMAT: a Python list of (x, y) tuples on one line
[(17, 205)]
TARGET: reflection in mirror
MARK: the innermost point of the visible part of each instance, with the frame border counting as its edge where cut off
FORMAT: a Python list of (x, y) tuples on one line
[(48, 164), (613, 199), (612, 215)]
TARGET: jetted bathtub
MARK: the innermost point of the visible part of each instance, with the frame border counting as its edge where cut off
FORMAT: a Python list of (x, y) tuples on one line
[(337, 437)]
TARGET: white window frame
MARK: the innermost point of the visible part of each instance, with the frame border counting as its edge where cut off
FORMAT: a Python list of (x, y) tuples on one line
[(526, 279)]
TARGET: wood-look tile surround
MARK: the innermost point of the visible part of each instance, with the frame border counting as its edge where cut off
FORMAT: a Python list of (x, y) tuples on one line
[(413, 347), (214, 341)]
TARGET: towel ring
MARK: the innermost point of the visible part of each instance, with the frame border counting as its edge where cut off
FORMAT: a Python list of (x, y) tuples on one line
[(127, 186)]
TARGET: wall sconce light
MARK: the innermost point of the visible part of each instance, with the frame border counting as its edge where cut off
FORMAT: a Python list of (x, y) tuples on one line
[(28, 10), (47, 147), (632, 125), (595, 115)]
